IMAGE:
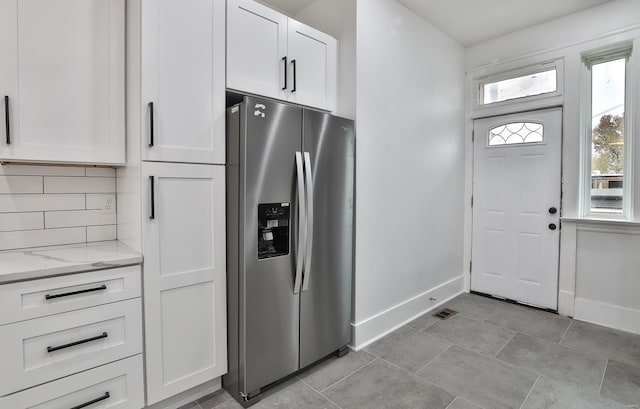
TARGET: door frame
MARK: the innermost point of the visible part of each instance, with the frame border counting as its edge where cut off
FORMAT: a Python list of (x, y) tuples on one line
[(469, 189)]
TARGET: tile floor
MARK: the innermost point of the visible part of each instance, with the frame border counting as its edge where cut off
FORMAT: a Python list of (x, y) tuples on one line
[(491, 355)]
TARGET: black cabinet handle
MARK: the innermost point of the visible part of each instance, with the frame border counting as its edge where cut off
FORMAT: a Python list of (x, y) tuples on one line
[(295, 82), (152, 214), (552, 226), (91, 402), (285, 73), (88, 290), (72, 344), (553, 210), (150, 124), (6, 119)]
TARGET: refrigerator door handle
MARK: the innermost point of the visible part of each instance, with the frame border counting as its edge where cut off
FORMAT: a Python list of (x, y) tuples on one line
[(302, 223), (307, 258)]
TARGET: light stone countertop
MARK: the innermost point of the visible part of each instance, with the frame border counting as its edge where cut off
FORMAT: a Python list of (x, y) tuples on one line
[(41, 262)]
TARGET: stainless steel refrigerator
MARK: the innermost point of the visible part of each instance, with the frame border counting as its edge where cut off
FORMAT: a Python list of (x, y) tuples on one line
[(290, 176)]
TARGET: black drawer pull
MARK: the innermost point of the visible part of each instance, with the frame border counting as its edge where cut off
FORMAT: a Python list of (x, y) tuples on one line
[(72, 344), (295, 76), (6, 119), (152, 210), (150, 124), (88, 290), (91, 402), (285, 73)]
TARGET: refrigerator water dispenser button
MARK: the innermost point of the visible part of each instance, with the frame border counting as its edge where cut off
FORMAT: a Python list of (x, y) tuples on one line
[(273, 230)]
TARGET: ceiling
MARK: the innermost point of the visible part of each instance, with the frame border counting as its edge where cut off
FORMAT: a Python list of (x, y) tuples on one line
[(486, 19), (290, 7), (480, 20)]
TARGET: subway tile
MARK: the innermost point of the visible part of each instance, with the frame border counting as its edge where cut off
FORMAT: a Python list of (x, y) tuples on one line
[(20, 184), (73, 218), (96, 201), (53, 184), (101, 233), (101, 172), (37, 238), (41, 202), (27, 170), (21, 221)]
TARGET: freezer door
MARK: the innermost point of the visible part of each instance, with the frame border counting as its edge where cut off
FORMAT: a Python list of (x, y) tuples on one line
[(271, 138), (325, 311)]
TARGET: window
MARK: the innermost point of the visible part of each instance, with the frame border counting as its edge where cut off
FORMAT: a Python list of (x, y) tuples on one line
[(537, 83), (516, 133), (606, 159)]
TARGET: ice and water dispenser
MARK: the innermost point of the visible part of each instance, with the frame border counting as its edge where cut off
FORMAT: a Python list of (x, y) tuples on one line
[(274, 220)]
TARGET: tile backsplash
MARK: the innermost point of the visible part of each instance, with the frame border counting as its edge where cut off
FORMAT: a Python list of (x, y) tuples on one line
[(53, 205)]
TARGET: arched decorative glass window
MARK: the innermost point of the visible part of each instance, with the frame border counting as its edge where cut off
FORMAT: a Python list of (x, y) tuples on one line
[(516, 133)]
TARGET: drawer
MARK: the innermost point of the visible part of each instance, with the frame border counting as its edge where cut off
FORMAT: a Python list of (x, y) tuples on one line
[(38, 298), (121, 381), (48, 348)]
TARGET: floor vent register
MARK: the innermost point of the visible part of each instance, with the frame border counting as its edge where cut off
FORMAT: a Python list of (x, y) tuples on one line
[(445, 313)]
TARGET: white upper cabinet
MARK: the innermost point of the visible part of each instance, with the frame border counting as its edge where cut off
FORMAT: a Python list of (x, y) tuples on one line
[(62, 81), (183, 102), (313, 64), (184, 276), (257, 49), (275, 56)]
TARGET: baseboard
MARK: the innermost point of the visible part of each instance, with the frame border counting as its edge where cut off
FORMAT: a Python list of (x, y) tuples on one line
[(371, 329), (612, 316), (189, 396), (566, 301)]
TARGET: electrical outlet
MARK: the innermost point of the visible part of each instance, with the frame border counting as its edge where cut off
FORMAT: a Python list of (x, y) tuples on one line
[(109, 204)]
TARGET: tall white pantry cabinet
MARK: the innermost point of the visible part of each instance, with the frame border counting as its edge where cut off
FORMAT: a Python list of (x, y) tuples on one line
[(171, 194)]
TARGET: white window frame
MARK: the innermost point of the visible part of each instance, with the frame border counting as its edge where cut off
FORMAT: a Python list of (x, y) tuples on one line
[(588, 60), (479, 83)]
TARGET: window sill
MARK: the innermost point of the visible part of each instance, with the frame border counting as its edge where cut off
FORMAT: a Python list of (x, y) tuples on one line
[(600, 221)]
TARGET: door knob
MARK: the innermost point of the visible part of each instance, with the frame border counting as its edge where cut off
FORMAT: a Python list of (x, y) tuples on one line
[(553, 210), (552, 226)]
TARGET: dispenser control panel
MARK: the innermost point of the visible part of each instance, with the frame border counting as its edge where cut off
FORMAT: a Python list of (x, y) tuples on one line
[(274, 221)]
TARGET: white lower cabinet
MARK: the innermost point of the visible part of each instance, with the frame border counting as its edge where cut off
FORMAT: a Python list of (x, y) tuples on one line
[(183, 237), (38, 298), (72, 341), (44, 349), (118, 385)]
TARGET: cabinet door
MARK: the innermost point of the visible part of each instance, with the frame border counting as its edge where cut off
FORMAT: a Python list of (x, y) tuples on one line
[(183, 77), (184, 276), (256, 49), (312, 66), (62, 69)]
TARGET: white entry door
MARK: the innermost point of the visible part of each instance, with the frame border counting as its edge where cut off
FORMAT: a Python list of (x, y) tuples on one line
[(516, 209)]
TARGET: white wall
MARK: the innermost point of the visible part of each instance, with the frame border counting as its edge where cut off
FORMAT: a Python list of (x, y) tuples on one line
[(338, 18), (409, 167), (608, 277), (584, 292)]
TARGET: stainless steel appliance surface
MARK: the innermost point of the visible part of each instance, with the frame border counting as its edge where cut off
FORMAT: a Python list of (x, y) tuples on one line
[(290, 175)]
